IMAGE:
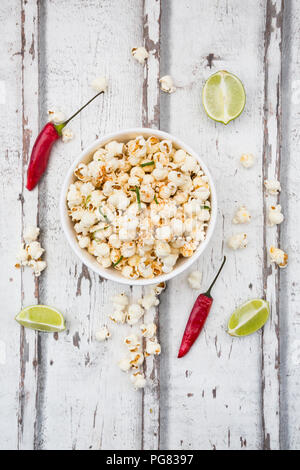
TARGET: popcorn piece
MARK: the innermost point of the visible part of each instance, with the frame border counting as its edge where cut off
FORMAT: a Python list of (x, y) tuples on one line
[(140, 54), (149, 330), (148, 301), (242, 216), (56, 116), (153, 347), (195, 279), (275, 216), (157, 290), (67, 134), (35, 250), (278, 256), (118, 316), (166, 84), (120, 301), (247, 160), (37, 266), (237, 241), (136, 359), (22, 255), (31, 233), (102, 334), (132, 342), (100, 84), (272, 187), (135, 312), (138, 380), (125, 364)]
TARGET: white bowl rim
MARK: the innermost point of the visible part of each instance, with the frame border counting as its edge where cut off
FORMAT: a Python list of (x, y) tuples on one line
[(83, 255)]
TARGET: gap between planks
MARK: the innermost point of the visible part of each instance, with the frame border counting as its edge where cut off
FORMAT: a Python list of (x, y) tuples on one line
[(272, 123)]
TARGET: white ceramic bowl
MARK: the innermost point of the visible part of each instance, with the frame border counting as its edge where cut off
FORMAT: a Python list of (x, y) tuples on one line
[(89, 260)]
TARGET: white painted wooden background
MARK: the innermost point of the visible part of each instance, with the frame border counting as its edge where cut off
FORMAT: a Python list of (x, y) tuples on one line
[(66, 392)]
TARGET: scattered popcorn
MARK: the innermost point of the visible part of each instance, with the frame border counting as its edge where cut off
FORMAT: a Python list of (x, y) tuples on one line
[(56, 116), (153, 347), (148, 301), (35, 250), (278, 256), (31, 234), (136, 359), (275, 215), (102, 334), (140, 54), (118, 316), (237, 241), (134, 313), (195, 279), (100, 84), (120, 301), (125, 364), (37, 266), (157, 290), (242, 216), (31, 252), (272, 187), (247, 160), (149, 330), (133, 343), (138, 380), (67, 134), (166, 84)]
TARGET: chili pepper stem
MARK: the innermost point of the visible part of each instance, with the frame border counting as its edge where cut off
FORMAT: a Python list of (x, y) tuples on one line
[(207, 293), (59, 127)]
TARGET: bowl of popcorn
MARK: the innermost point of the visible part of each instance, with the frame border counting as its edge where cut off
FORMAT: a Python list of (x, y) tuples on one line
[(138, 206)]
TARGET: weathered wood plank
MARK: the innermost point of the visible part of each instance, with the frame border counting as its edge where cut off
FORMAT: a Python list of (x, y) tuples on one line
[(10, 219), (289, 306), (151, 113), (29, 341), (271, 170), (212, 397)]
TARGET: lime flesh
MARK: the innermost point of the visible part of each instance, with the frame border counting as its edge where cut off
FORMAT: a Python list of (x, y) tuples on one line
[(249, 317), (223, 97), (41, 318)]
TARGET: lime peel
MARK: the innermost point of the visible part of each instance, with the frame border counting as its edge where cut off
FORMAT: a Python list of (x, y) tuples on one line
[(41, 318)]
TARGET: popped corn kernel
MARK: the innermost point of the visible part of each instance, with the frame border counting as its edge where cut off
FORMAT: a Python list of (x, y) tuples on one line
[(237, 241), (247, 160), (134, 313), (275, 216), (31, 233), (67, 134), (167, 84), (102, 334), (138, 380), (278, 256), (100, 84), (140, 54), (153, 347), (195, 279), (242, 216), (149, 330), (272, 187)]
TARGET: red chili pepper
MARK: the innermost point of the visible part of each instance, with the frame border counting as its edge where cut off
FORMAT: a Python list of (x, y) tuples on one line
[(42, 148), (197, 318)]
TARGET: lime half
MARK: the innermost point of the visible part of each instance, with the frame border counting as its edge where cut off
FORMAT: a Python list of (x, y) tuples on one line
[(249, 317), (41, 318), (223, 97)]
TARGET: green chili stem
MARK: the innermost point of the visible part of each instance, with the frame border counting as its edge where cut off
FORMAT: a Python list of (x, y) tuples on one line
[(59, 127)]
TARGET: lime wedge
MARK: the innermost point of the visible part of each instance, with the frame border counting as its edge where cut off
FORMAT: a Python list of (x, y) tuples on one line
[(249, 317), (41, 318), (223, 97)]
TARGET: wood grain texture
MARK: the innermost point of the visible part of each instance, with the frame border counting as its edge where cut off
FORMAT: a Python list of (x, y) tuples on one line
[(271, 276)]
